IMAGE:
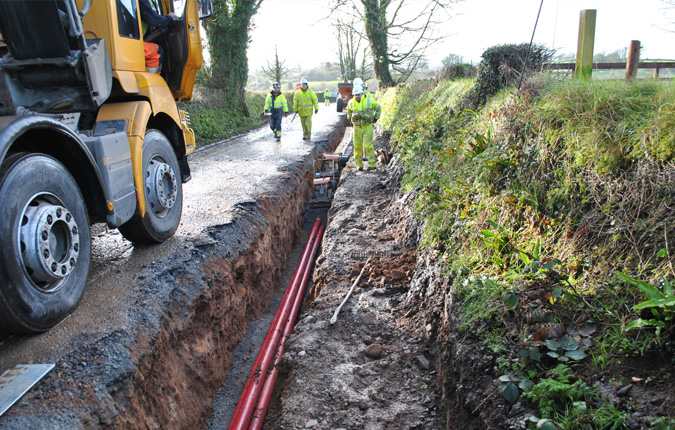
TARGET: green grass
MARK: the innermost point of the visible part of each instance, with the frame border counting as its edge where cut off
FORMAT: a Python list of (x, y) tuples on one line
[(213, 119), (544, 194)]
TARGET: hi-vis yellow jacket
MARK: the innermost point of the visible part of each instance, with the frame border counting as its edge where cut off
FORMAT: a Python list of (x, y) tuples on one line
[(276, 102), (305, 102), (365, 112)]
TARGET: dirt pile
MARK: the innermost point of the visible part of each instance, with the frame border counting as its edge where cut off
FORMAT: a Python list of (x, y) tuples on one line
[(373, 368)]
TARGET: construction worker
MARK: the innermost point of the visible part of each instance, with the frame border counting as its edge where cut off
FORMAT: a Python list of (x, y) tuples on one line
[(151, 18), (276, 104), (363, 112), (359, 81), (365, 90), (326, 97), (304, 102)]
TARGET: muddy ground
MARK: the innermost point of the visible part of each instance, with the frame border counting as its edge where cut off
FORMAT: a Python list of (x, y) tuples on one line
[(373, 368)]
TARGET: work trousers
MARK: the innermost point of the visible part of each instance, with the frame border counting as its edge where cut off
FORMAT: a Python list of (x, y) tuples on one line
[(306, 122), (363, 145), (327, 101), (153, 57), (275, 121)]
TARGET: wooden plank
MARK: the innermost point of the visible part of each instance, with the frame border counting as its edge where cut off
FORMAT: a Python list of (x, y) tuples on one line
[(584, 62), (616, 66)]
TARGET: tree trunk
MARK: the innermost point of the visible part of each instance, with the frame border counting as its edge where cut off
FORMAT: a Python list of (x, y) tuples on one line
[(228, 33), (375, 21)]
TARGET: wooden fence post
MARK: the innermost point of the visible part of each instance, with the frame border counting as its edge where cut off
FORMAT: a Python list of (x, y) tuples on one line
[(584, 64), (633, 60)]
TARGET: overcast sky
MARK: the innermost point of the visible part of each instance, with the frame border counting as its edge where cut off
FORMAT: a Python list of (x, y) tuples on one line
[(304, 36)]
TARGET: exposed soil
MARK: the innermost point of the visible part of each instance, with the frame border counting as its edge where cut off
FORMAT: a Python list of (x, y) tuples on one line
[(373, 368), (154, 356)]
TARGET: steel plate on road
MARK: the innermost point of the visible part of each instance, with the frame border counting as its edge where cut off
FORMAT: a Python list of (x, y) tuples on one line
[(15, 382)]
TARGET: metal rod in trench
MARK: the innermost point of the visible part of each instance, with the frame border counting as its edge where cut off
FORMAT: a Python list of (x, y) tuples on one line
[(333, 319)]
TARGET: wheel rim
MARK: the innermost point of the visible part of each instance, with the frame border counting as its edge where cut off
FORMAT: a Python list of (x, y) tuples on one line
[(161, 186), (50, 242)]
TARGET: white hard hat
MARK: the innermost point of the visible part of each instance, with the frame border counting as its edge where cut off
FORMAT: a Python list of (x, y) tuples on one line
[(358, 89), (358, 81), (304, 81)]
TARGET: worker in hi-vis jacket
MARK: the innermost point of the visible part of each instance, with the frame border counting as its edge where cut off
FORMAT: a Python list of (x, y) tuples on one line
[(304, 102), (276, 105), (363, 111)]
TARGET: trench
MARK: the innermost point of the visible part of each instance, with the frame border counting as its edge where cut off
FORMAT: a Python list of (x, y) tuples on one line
[(195, 351), (246, 351), (162, 361), (373, 365), (197, 322)]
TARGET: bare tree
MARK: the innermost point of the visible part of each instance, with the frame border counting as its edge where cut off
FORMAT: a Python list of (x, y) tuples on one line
[(451, 59), (276, 70), (348, 50), (365, 69), (347, 47), (399, 32), (667, 8)]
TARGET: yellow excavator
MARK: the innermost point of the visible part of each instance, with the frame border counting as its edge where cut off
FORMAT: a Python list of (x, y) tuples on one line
[(87, 135)]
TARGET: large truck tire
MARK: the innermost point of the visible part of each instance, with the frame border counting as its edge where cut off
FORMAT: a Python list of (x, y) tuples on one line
[(46, 243), (340, 104), (163, 191)]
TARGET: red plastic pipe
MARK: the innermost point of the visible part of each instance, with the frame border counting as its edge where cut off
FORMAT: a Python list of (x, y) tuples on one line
[(261, 411), (253, 385), (283, 303), (255, 379), (254, 382)]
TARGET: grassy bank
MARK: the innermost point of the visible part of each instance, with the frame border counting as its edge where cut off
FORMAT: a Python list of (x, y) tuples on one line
[(553, 210)]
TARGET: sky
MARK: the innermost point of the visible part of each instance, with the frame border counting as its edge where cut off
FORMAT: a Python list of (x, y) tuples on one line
[(304, 36)]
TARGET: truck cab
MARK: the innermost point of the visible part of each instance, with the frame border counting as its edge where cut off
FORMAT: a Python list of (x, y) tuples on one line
[(87, 135)]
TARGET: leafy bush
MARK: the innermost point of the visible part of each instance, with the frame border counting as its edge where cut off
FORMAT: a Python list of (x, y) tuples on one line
[(660, 304), (502, 65), (453, 72), (554, 395)]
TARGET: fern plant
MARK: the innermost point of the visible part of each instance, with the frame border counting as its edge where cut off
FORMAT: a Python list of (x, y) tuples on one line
[(662, 304)]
